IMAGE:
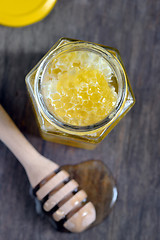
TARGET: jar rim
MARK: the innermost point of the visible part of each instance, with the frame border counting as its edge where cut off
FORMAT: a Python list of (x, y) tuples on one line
[(114, 62)]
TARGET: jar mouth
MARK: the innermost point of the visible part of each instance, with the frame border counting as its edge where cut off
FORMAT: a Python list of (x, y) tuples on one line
[(115, 66)]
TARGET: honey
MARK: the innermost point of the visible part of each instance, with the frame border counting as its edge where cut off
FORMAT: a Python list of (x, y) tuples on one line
[(77, 88)]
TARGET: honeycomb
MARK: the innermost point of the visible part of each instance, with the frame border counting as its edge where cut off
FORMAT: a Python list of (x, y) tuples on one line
[(77, 88)]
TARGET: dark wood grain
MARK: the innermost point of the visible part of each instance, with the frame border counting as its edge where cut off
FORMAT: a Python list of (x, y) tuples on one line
[(131, 150)]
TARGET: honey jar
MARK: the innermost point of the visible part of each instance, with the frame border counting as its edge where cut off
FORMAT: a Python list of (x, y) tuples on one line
[(80, 91)]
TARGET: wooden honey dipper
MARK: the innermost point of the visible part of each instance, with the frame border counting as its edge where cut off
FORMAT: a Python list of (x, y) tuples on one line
[(59, 195)]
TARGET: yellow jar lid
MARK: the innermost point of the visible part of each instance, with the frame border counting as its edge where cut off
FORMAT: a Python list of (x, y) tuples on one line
[(18, 13)]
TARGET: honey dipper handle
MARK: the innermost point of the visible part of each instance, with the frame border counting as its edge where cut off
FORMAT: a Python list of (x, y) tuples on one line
[(36, 166), (14, 140)]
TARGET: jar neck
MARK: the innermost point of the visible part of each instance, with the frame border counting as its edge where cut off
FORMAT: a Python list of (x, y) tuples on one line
[(114, 64)]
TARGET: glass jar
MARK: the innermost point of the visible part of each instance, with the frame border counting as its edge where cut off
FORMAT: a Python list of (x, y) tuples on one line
[(54, 129)]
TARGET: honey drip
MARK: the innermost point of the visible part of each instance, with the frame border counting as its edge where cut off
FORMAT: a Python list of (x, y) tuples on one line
[(97, 181)]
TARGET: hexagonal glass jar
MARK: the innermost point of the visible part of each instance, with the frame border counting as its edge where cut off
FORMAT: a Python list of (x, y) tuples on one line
[(88, 137)]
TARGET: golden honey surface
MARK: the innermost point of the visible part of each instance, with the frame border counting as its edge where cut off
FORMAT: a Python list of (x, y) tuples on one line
[(77, 88)]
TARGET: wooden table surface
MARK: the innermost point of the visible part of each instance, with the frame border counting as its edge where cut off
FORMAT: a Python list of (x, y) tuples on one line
[(131, 150)]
